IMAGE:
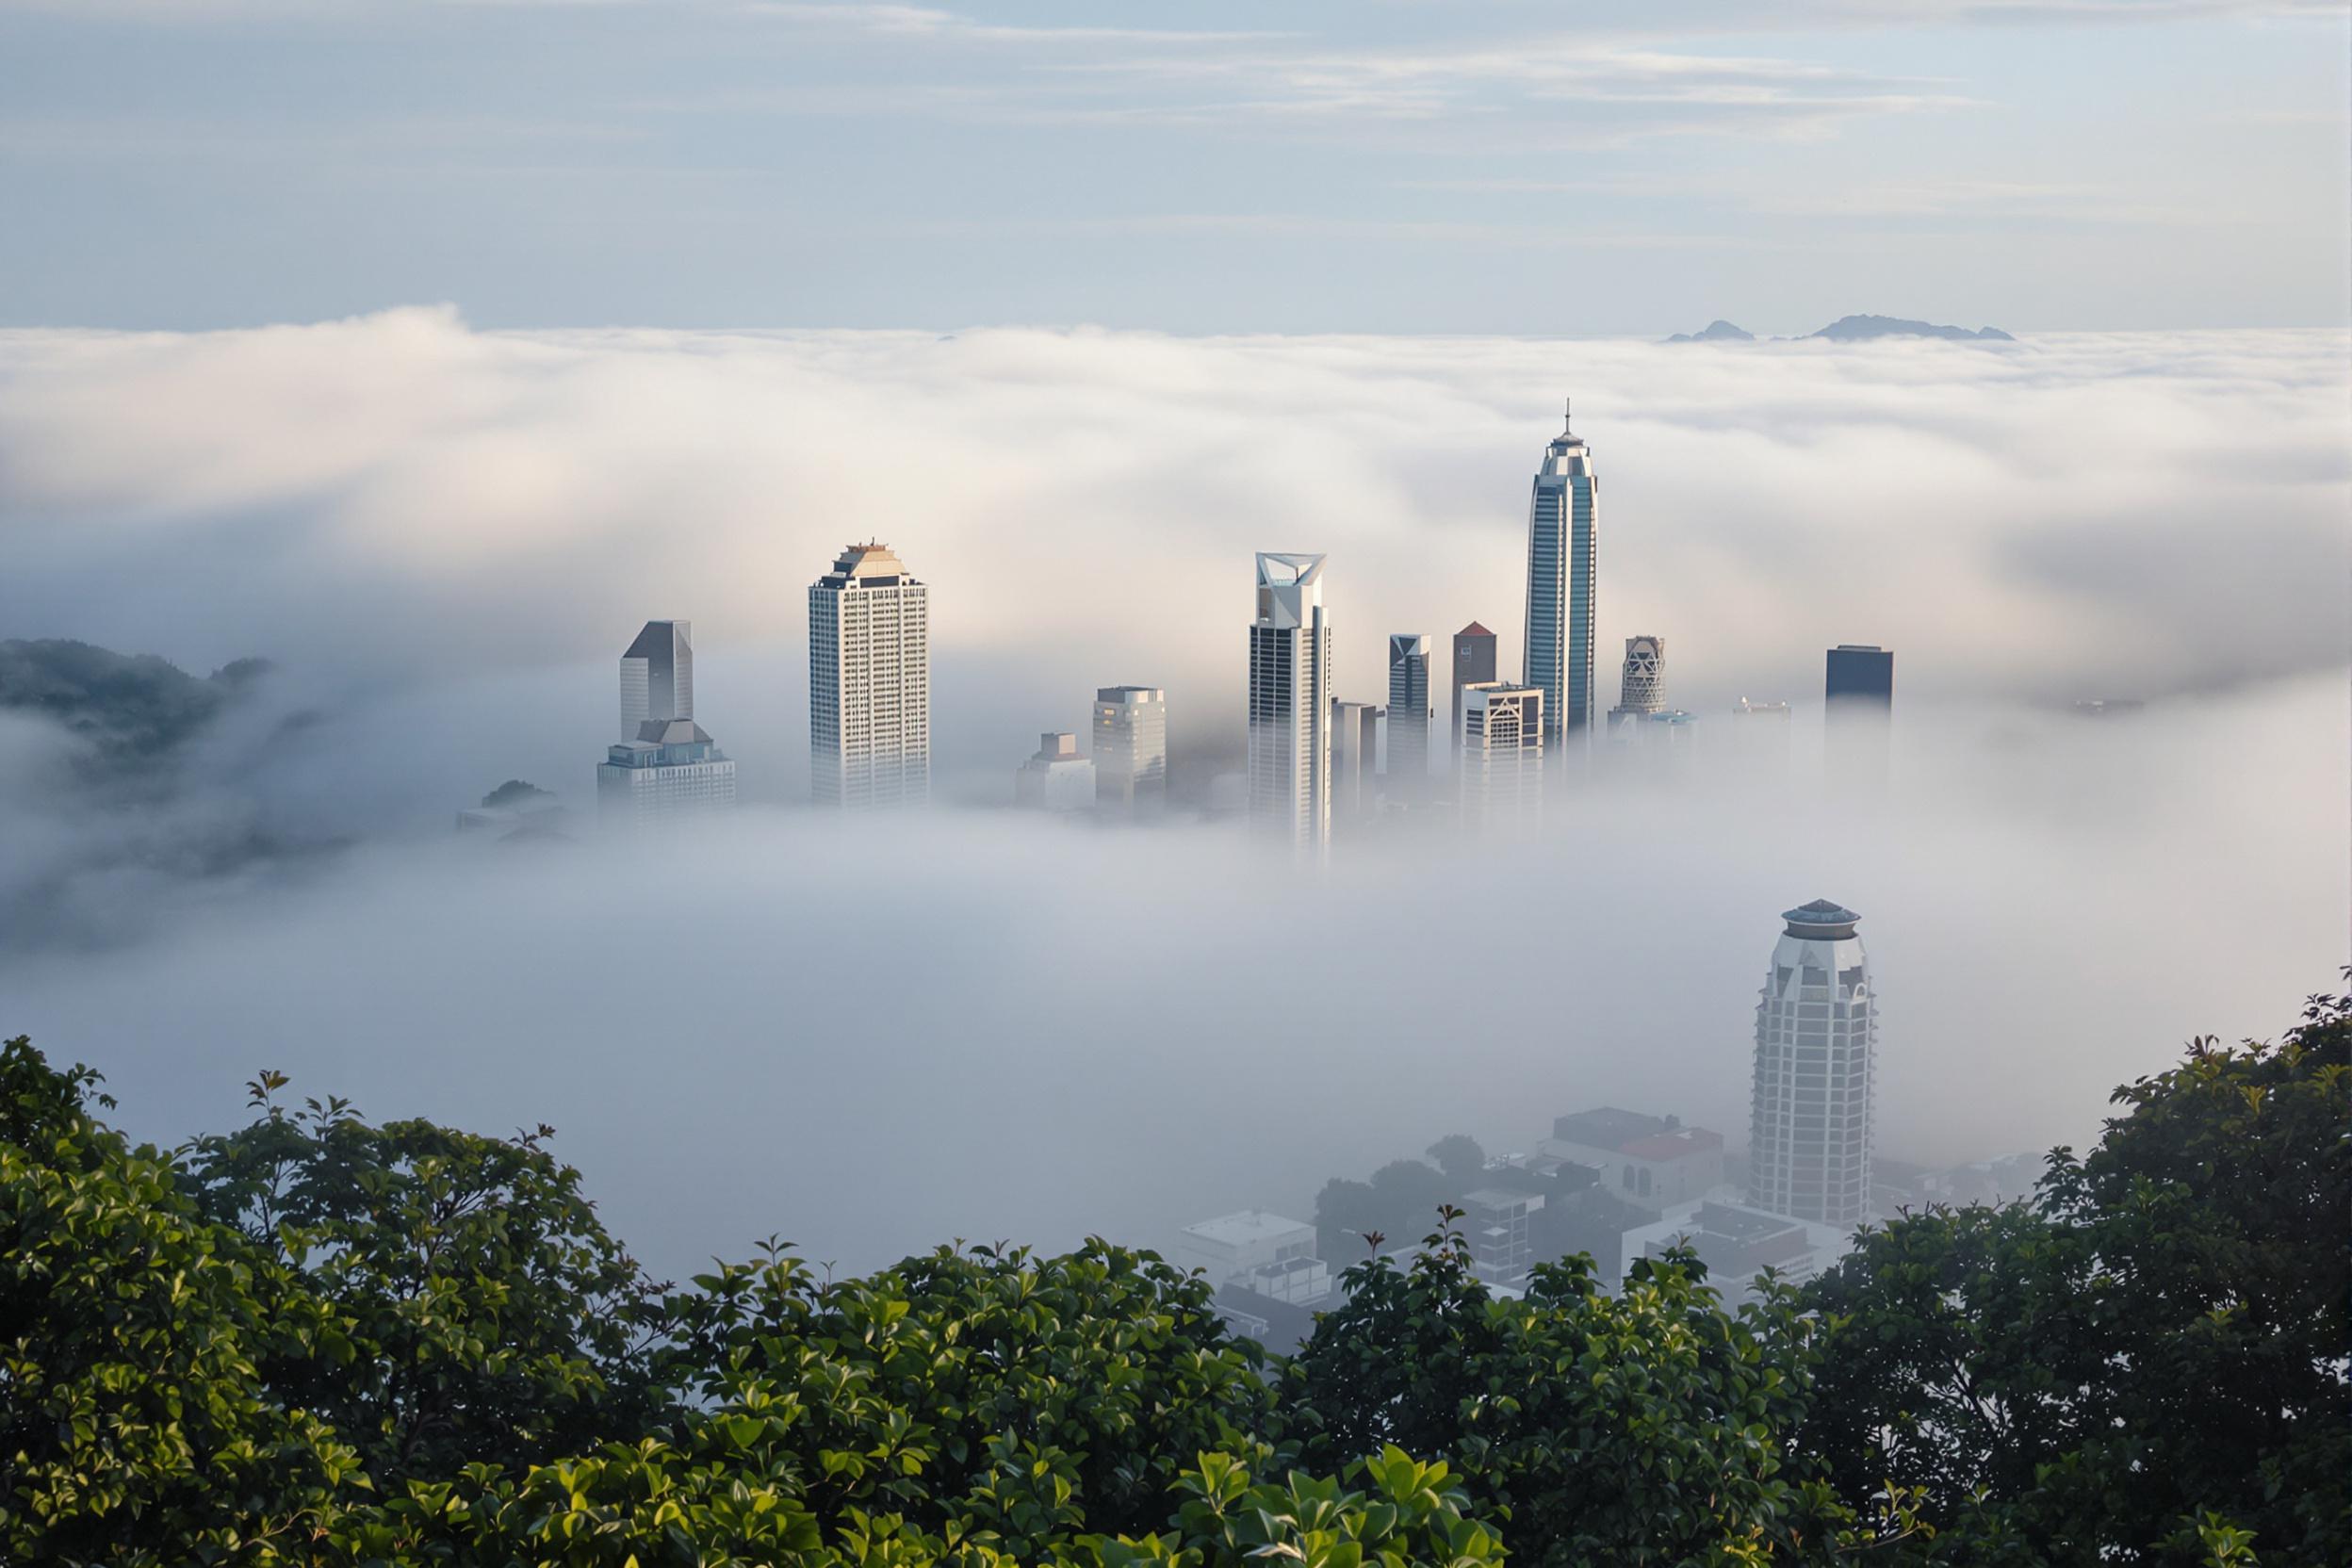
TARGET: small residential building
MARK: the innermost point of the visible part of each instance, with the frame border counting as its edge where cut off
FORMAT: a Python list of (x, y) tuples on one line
[(1650, 1162), (1235, 1247), (1057, 778), (1738, 1243)]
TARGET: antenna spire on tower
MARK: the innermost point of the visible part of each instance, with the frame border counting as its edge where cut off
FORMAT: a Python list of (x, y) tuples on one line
[(1568, 416)]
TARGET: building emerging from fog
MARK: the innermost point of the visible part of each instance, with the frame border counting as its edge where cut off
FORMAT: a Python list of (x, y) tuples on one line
[(1816, 1054), (868, 682), (1131, 747), (1057, 778), (1563, 543), (1474, 662), (1502, 755), (672, 769), (1407, 762), (658, 676), (1356, 730), (1641, 685), (1290, 703)]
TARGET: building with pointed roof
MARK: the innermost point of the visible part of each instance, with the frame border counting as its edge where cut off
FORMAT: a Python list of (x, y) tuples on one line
[(1563, 547), (1474, 662), (658, 676), (1406, 764)]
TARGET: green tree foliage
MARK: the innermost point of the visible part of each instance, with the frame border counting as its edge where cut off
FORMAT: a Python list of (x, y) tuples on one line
[(492, 1316), (1646, 1426), (2147, 1362), (134, 1428), (1459, 1156), (317, 1341), (516, 792)]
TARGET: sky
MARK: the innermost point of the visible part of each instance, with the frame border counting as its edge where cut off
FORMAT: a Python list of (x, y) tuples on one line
[(1536, 169)]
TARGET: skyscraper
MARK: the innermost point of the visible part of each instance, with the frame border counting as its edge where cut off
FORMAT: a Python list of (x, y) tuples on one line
[(868, 682), (1857, 715), (1641, 689), (1502, 755), (1563, 543), (1474, 662), (1861, 675), (1355, 760), (1131, 747), (672, 769), (1409, 715), (1815, 1056), (1290, 702), (1057, 778), (658, 676)]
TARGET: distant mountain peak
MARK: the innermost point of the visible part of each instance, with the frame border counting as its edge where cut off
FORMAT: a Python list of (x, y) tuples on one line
[(1715, 332), (1857, 328)]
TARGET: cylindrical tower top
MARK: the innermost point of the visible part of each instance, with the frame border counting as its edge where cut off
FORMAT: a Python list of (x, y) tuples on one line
[(1820, 921)]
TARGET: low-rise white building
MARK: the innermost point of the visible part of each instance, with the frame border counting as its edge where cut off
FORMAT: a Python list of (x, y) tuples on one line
[(1650, 1162), (1738, 1243), (1236, 1245)]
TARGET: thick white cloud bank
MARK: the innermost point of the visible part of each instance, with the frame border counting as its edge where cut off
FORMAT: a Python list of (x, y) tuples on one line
[(869, 1037)]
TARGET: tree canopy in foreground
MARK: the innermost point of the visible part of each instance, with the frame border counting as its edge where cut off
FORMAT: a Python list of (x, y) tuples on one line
[(316, 1340)]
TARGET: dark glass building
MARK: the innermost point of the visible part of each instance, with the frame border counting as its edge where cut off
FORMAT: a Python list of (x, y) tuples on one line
[(1860, 673)]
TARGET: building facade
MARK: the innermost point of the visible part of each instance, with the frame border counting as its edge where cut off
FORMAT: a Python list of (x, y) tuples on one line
[(1406, 766), (1642, 685), (672, 770), (1501, 783), (868, 682), (1130, 747), (1473, 662), (1809, 1140), (1651, 1162), (1563, 546), (1290, 703), (1861, 675), (1057, 778), (1356, 729), (658, 676)]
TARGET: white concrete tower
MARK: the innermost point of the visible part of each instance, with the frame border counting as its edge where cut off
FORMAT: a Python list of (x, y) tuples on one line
[(1130, 747), (868, 682), (1290, 703), (1815, 1056)]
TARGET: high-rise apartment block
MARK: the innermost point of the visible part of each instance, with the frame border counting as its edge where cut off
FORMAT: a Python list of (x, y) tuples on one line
[(1502, 755), (658, 676), (1290, 703), (1563, 546), (868, 682), (1473, 662), (1407, 762), (1816, 1054), (1131, 747), (672, 769), (1058, 778)]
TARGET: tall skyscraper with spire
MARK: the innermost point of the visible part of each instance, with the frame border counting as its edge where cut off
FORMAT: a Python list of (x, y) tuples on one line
[(868, 682), (1290, 703), (1815, 1056), (1563, 546)]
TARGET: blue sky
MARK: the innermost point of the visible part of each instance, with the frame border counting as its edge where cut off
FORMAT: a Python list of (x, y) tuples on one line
[(1541, 169)]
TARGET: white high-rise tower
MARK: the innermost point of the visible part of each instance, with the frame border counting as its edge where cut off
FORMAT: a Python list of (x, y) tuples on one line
[(868, 682), (1290, 702), (1641, 687), (1815, 1056), (658, 676), (1563, 546)]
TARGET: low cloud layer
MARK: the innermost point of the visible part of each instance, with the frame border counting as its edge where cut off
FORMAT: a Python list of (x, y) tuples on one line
[(870, 1035)]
